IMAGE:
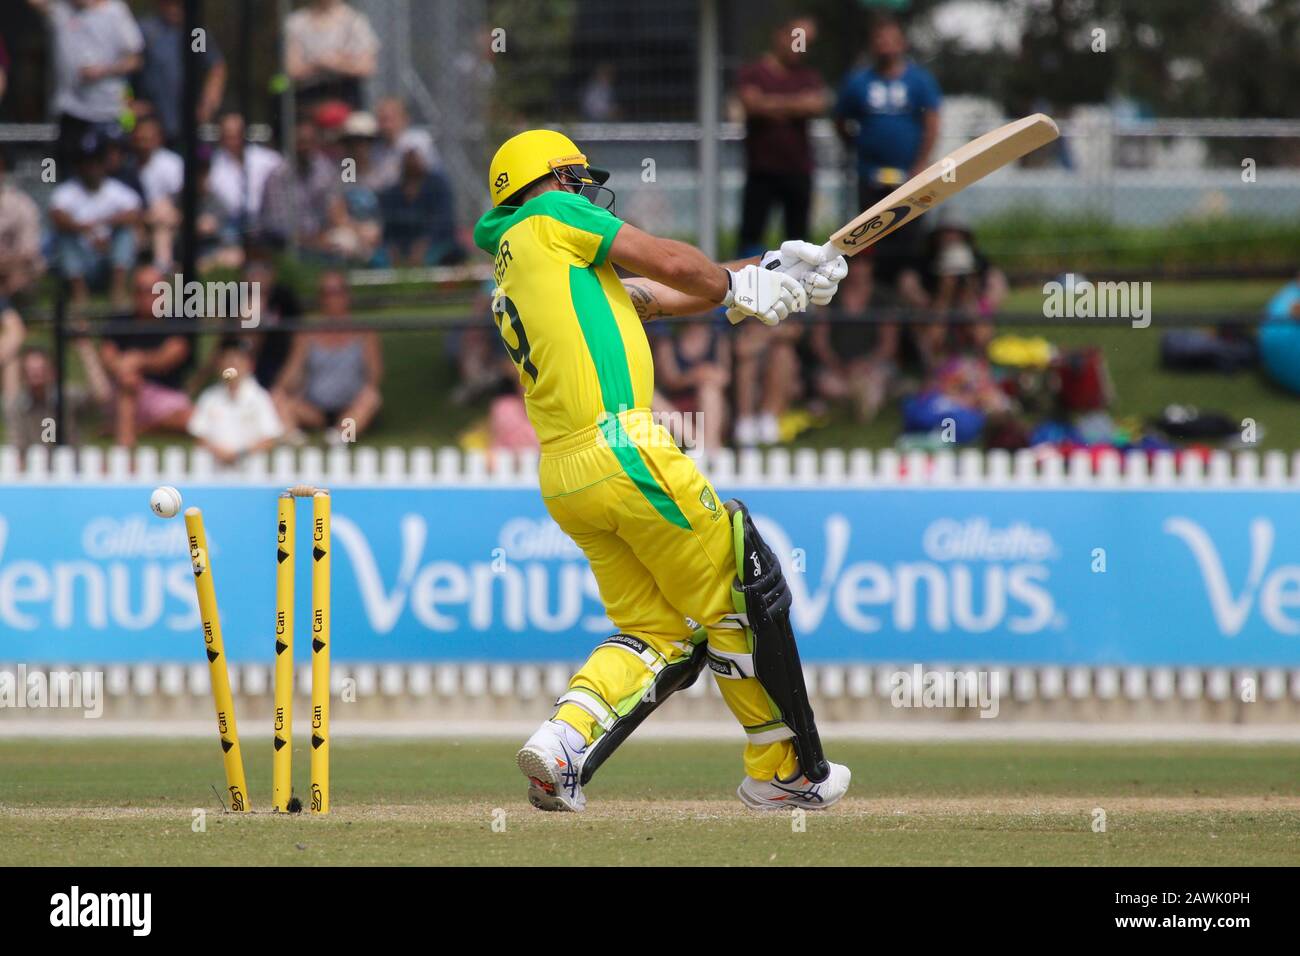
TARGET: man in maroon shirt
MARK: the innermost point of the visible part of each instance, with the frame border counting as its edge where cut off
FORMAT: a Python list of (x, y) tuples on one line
[(779, 93)]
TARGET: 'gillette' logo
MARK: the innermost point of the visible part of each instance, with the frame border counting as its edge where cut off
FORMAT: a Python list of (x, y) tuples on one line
[(976, 539)]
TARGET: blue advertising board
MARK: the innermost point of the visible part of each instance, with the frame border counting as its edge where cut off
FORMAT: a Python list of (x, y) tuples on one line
[(1063, 576)]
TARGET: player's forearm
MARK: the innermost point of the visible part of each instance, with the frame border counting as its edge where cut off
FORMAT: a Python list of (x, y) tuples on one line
[(674, 264), (654, 300), (689, 271)]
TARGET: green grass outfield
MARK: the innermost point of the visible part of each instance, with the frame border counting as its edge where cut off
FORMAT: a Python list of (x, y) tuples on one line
[(132, 801)]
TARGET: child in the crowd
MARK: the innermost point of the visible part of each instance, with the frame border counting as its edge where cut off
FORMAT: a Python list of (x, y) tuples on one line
[(235, 417)]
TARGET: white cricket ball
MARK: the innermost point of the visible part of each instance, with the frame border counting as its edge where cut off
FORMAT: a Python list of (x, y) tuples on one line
[(165, 502), (229, 374)]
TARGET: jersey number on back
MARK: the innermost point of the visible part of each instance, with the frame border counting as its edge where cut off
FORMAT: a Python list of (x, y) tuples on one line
[(519, 355)]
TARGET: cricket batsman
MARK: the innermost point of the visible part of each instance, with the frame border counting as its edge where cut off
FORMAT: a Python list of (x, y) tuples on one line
[(685, 577)]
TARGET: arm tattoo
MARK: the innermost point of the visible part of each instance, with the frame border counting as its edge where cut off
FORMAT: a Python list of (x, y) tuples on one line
[(644, 301)]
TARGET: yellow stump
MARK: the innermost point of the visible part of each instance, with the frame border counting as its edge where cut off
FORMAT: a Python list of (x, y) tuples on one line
[(320, 653), (282, 759), (216, 653)]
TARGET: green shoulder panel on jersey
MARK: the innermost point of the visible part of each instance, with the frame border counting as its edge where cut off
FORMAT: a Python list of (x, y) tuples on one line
[(567, 208), (609, 357)]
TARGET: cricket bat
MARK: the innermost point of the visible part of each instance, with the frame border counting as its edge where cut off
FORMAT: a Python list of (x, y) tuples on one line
[(936, 183)]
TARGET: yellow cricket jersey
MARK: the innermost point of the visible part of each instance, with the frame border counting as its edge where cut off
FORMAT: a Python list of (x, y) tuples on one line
[(563, 313)]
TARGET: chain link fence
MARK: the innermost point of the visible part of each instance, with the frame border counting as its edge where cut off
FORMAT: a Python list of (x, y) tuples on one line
[(627, 82)]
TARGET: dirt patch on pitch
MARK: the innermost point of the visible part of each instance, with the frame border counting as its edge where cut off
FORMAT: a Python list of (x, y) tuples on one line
[(668, 811), (685, 810)]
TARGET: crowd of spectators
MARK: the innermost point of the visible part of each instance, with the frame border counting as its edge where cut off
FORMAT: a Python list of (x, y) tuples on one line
[(356, 187), (358, 184)]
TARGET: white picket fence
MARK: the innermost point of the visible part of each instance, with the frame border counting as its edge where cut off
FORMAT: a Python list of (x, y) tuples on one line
[(826, 682), (802, 468)]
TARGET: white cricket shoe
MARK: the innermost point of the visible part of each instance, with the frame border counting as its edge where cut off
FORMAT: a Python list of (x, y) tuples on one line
[(798, 791), (552, 765)]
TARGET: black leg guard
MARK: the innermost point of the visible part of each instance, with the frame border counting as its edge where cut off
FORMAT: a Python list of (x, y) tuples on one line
[(763, 596), (674, 677)]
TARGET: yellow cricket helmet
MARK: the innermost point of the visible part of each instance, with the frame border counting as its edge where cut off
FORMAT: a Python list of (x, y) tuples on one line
[(528, 156)]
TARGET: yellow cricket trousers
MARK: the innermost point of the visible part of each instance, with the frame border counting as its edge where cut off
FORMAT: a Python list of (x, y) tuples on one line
[(659, 542)]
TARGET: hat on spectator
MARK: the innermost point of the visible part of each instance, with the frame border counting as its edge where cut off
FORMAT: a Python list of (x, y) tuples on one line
[(360, 125), (331, 114), (92, 145)]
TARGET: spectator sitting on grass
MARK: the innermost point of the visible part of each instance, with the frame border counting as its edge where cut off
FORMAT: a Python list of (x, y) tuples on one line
[(28, 387), (147, 370), (476, 351), (963, 290), (21, 263), (239, 173), (332, 376), (269, 344), (299, 193), (419, 219), (235, 417), (853, 360), (94, 218), (344, 238), (767, 380), (119, 166), (356, 229), (162, 174), (220, 244), (508, 426), (693, 368), (278, 305), (396, 137)]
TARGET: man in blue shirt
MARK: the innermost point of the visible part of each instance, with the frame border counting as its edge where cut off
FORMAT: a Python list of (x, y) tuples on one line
[(162, 75), (889, 114)]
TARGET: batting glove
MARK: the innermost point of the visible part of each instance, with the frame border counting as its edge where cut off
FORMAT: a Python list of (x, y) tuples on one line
[(768, 295), (819, 268)]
